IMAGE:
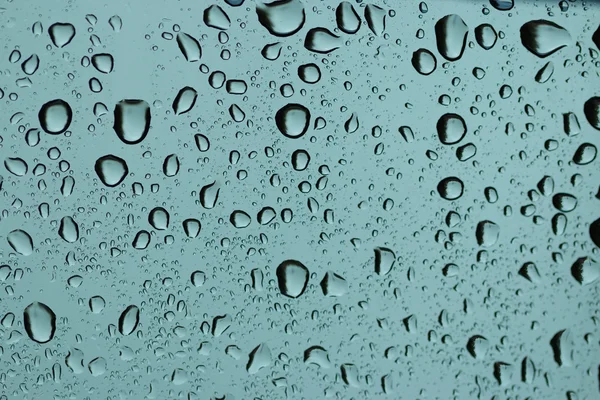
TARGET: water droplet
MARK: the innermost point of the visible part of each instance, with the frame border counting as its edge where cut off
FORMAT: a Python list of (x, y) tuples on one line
[(132, 120), (451, 36), (55, 116), (321, 40), (384, 260), (240, 219), (585, 154), (487, 233), (111, 170), (61, 34), (424, 61), (31, 65), (16, 166), (450, 188), (198, 278), (563, 346), (375, 17), (585, 271), (542, 37), (352, 124), (159, 218), (215, 17), (209, 194), (40, 322), (141, 240), (171, 165), (129, 320), (185, 100), (293, 120), (350, 375), (347, 18), (271, 51), (309, 73), (282, 17), (97, 366), (115, 23), (68, 230), (486, 36), (545, 73), (189, 46), (96, 304), (334, 285), (451, 128), (103, 62), (20, 241), (502, 5), (591, 109), (530, 272), (258, 359), (300, 159), (478, 346), (191, 227), (564, 202), (292, 277)]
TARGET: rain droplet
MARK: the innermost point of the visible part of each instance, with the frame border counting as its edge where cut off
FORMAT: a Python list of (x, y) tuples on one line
[(347, 18), (240, 219), (185, 100), (352, 124), (300, 159), (171, 165), (282, 17), (132, 120), (309, 73), (424, 61), (96, 304), (20, 241), (585, 154), (450, 188), (189, 46), (271, 51), (292, 277), (375, 17), (40, 322), (487, 233), (68, 230), (334, 285), (591, 109), (502, 5), (31, 65), (129, 320), (542, 37), (259, 358), (486, 36), (16, 166), (191, 227), (61, 34), (451, 128), (545, 73), (215, 17), (111, 170), (321, 40), (55, 116), (563, 346), (451, 36), (159, 218), (384, 260), (141, 240), (115, 23), (564, 202), (103, 62), (478, 346), (209, 194), (585, 271), (293, 120)]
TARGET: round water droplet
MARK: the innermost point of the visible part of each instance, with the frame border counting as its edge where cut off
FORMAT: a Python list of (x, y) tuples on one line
[(292, 277), (585, 270), (281, 17), (55, 116), (20, 241), (451, 128), (542, 37), (266, 215), (486, 36), (129, 320), (40, 322), (132, 120), (564, 202), (585, 154), (450, 188), (487, 233), (97, 304), (293, 120), (159, 218), (240, 219), (424, 61), (111, 170), (103, 62), (309, 73), (198, 278)]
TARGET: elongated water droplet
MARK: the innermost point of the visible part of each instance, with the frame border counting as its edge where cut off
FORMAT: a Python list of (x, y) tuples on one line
[(16, 166), (31, 65), (68, 230), (451, 37), (129, 320), (502, 5), (487, 233), (40, 322), (171, 165), (271, 51), (132, 120), (141, 240), (20, 241), (585, 154), (215, 17), (191, 227), (375, 17), (185, 100), (321, 40), (564, 202), (545, 73), (486, 36), (189, 46), (591, 109), (347, 18), (543, 38), (209, 195), (384, 260)]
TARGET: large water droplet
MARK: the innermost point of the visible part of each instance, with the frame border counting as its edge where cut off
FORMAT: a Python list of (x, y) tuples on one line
[(111, 170), (487, 233), (542, 37), (171, 165), (55, 116), (68, 230), (375, 17), (282, 17), (486, 36), (61, 34), (591, 109), (564, 202), (595, 232), (347, 18), (185, 100), (258, 359), (20, 241), (292, 277), (384, 260), (189, 46), (451, 36), (424, 61), (132, 120), (240, 219), (502, 5), (209, 194), (40, 322), (300, 159), (16, 166), (563, 346), (141, 240), (334, 285), (478, 346), (293, 120), (585, 154), (309, 73), (159, 218), (450, 188), (191, 227), (215, 17), (321, 40), (585, 270), (31, 65), (103, 62), (451, 128), (96, 304), (129, 320)]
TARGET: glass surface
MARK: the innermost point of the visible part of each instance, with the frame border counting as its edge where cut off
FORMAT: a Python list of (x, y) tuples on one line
[(299, 200)]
